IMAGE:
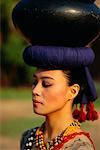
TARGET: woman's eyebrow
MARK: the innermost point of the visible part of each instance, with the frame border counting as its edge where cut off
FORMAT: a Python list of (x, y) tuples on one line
[(43, 77)]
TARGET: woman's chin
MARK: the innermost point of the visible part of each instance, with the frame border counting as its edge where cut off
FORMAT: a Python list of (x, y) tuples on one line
[(39, 112)]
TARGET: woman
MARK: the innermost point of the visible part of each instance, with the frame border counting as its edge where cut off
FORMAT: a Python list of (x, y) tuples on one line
[(54, 92), (62, 29)]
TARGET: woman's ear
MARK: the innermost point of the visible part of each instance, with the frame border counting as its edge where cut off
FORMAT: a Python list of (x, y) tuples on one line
[(74, 90)]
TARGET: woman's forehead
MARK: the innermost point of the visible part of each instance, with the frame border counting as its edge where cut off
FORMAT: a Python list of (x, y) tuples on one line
[(49, 73)]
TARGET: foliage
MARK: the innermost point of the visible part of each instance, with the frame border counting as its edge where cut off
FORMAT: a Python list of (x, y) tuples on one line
[(14, 71)]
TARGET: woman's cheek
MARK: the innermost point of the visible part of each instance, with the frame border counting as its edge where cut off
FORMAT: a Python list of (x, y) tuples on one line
[(54, 95)]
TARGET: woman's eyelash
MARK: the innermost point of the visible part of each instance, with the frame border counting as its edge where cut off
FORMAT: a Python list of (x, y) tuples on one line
[(44, 83)]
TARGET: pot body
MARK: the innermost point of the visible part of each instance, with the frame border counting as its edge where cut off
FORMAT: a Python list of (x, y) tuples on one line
[(67, 23)]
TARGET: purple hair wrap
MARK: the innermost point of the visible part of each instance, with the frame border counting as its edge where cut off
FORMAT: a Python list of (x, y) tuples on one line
[(90, 93), (50, 57), (57, 57)]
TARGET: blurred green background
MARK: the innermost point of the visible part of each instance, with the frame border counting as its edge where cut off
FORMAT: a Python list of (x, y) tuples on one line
[(16, 113)]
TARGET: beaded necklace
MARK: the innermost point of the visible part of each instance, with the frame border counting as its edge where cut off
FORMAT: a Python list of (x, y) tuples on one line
[(39, 141)]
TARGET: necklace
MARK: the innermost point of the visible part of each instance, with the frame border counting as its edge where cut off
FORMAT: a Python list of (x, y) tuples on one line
[(39, 141)]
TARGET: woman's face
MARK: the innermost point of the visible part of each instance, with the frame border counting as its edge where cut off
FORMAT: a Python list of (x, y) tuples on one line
[(50, 91)]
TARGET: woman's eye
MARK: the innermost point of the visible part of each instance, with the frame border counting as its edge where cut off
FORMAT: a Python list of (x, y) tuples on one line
[(46, 84)]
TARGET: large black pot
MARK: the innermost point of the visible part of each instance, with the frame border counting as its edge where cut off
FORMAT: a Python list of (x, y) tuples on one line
[(71, 23)]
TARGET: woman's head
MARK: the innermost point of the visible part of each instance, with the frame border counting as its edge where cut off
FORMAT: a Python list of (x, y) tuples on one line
[(54, 90)]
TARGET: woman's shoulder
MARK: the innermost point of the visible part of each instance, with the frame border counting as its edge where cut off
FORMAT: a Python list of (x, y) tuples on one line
[(81, 141), (28, 138)]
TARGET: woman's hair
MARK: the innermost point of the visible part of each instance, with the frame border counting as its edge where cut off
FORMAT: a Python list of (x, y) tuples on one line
[(76, 76)]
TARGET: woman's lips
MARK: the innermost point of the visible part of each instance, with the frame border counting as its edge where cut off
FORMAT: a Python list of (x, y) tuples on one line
[(36, 102)]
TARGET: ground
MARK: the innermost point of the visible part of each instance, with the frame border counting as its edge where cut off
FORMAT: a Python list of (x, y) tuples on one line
[(10, 110)]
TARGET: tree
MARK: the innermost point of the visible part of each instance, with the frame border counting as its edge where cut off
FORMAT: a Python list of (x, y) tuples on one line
[(13, 69)]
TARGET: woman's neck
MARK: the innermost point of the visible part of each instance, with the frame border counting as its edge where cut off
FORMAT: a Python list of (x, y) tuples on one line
[(56, 123)]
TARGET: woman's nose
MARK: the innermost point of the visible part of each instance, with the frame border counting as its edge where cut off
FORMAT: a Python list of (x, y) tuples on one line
[(36, 89)]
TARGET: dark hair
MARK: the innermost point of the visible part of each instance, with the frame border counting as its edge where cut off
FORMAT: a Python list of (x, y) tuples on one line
[(77, 76)]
